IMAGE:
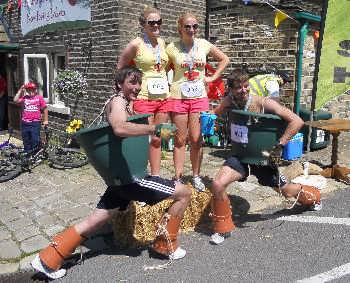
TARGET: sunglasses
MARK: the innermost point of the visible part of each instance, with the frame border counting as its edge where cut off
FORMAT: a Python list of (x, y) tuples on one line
[(153, 23), (195, 26)]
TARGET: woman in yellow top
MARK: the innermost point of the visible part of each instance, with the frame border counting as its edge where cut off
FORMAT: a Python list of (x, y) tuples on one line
[(148, 54), (188, 91)]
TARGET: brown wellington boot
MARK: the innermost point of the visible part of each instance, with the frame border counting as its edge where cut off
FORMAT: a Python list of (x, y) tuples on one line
[(310, 196), (61, 247), (166, 237)]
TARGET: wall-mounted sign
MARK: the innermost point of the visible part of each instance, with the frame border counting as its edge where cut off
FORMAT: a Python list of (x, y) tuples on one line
[(51, 15)]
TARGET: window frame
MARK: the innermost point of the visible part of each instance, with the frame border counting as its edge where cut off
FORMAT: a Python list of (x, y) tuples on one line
[(55, 97), (53, 103), (26, 70)]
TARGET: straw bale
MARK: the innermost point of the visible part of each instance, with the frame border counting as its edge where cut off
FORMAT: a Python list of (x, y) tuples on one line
[(296, 169), (314, 169), (293, 170), (136, 226)]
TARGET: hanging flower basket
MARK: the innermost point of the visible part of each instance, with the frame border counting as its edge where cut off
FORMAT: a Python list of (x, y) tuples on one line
[(70, 82)]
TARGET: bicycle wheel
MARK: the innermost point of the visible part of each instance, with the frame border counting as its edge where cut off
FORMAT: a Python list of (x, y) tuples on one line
[(34, 158), (9, 169), (67, 158)]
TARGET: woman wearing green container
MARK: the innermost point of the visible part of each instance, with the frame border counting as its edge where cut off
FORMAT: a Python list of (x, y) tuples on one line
[(150, 189), (234, 169)]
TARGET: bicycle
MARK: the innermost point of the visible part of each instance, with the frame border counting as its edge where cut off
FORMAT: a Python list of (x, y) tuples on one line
[(10, 167), (17, 161), (66, 158)]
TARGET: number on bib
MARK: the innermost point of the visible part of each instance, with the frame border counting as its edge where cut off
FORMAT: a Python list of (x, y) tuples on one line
[(239, 133), (157, 86), (192, 89)]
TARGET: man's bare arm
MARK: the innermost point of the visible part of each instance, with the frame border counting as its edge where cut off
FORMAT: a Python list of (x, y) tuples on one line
[(117, 118), (223, 106), (294, 121)]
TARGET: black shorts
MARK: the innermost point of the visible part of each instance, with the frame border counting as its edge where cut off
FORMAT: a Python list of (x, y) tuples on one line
[(267, 176), (151, 190)]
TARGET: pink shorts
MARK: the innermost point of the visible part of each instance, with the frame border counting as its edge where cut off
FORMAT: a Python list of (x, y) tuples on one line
[(142, 106), (189, 105)]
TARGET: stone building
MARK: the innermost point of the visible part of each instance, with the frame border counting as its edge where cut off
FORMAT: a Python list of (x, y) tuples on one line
[(245, 33), (248, 36)]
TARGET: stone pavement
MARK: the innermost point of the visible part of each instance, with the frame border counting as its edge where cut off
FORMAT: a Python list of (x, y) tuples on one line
[(37, 205)]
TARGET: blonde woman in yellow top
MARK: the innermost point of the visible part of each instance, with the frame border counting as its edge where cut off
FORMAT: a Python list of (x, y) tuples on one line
[(188, 91), (148, 54)]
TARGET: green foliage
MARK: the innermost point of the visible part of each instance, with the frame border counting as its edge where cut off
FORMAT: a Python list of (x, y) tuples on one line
[(70, 82)]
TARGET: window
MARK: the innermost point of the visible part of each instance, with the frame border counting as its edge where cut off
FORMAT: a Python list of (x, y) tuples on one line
[(36, 68), (59, 63)]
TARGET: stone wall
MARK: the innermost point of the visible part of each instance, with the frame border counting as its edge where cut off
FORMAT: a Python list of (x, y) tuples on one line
[(95, 50), (246, 33)]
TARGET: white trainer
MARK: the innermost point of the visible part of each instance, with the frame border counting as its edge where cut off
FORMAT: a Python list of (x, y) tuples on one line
[(316, 206), (178, 254), (198, 184), (219, 238), (39, 266)]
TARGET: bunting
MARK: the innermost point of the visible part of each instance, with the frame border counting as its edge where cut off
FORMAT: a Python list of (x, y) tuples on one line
[(280, 17)]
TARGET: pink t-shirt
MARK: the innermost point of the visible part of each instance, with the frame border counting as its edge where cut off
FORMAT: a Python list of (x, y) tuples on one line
[(32, 106)]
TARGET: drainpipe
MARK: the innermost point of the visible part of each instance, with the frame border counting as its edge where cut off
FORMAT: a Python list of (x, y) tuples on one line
[(302, 34), (304, 18)]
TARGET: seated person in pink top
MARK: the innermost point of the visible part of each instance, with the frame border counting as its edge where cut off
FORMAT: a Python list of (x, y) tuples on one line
[(33, 105)]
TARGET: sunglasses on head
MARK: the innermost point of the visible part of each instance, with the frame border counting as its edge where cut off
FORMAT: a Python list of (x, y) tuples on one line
[(153, 23), (195, 26)]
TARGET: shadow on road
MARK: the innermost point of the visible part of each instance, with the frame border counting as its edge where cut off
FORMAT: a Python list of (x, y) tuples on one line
[(242, 220)]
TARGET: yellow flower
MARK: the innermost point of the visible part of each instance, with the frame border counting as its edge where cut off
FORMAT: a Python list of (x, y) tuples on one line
[(70, 130), (73, 126)]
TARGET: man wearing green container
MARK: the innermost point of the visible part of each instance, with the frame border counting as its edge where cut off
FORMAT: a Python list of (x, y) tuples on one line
[(150, 189), (234, 169)]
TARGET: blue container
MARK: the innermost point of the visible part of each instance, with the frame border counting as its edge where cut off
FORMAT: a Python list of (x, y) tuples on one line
[(207, 123), (294, 148)]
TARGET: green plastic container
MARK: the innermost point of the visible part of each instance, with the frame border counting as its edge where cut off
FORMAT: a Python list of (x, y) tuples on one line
[(119, 161), (254, 133), (319, 138)]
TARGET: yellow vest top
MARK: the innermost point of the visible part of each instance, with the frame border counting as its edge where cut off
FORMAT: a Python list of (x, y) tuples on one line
[(178, 56), (257, 84), (145, 60)]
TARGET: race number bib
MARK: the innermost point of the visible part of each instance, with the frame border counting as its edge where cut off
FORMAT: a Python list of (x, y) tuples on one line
[(157, 86), (239, 133), (192, 89)]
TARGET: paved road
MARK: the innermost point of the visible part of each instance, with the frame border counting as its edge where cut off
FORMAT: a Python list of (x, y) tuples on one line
[(37, 205), (277, 245)]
